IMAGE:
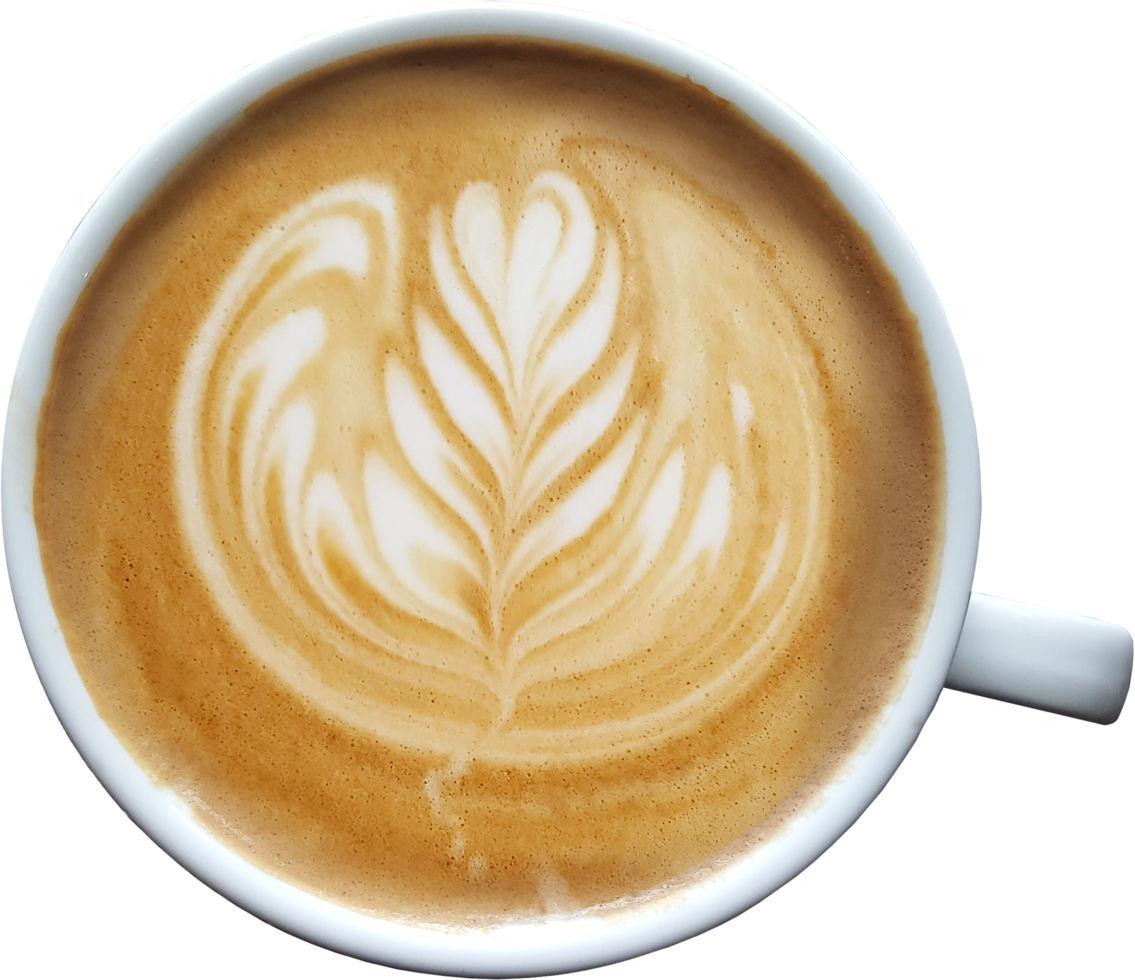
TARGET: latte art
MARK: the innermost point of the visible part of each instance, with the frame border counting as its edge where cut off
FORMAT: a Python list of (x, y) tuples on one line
[(493, 514), (493, 479)]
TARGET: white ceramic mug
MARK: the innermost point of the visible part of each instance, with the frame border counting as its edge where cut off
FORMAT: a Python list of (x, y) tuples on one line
[(1062, 663)]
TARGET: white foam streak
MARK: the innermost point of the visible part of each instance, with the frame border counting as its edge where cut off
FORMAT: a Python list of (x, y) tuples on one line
[(659, 513), (576, 515), (332, 243), (773, 560), (478, 229), (468, 401), (288, 451), (609, 585), (572, 353), (577, 434), (463, 308), (326, 514), (548, 264), (742, 406), (277, 357), (326, 240), (430, 453), (711, 523), (707, 533), (531, 261), (407, 536)]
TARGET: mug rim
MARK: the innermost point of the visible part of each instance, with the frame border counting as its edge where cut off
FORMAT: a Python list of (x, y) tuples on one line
[(554, 943)]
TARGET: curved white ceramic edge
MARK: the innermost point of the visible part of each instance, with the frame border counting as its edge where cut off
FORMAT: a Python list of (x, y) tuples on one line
[(554, 944)]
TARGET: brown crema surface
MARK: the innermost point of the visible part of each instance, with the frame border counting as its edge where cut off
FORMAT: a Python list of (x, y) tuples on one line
[(491, 479)]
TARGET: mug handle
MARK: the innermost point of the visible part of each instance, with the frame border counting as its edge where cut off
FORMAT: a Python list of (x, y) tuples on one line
[(1055, 661)]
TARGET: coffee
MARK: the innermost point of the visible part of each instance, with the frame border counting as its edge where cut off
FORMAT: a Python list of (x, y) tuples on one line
[(491, 478)]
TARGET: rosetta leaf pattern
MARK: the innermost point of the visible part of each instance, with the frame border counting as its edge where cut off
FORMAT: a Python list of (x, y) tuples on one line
[(437, 477), (513, 361)]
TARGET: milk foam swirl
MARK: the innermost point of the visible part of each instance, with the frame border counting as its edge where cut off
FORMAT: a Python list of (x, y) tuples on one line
[(476, 486)]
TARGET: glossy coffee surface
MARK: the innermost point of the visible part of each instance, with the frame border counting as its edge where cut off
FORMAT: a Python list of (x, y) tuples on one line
[(491, 479)]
